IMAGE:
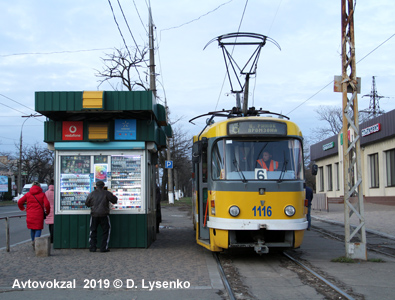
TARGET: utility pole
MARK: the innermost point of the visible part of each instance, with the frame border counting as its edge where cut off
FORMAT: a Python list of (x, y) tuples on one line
[(153, 89), (355, 239), (20, 152), (151, 54)]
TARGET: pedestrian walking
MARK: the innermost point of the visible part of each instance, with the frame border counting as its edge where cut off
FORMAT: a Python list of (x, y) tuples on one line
[(309, 198), (99, 201), (50, 218), (36, 202)]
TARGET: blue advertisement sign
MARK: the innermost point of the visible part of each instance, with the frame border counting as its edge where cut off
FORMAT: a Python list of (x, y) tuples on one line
[(3, 184), (125, 129)]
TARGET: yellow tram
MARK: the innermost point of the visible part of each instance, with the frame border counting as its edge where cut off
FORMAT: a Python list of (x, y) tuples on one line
[(249, 188)]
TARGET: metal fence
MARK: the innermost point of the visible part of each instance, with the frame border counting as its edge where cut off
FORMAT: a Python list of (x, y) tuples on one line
[(7, 229), (320, 202)]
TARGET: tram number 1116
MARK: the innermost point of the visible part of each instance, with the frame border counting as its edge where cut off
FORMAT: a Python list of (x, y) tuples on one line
[(262, 211)]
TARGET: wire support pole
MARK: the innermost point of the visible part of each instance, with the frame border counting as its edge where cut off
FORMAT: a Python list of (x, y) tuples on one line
[(355, 239)]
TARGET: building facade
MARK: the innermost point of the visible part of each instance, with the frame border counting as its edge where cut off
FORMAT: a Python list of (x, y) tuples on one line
[(377, 158)]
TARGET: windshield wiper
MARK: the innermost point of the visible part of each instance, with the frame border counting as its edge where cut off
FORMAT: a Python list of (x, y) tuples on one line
[(280, 179), (235, 163)]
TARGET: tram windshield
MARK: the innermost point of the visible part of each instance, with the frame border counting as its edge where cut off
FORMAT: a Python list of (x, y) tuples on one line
[(257, 160)]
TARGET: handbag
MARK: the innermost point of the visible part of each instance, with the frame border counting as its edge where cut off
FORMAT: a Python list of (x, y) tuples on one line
[(45, 214)]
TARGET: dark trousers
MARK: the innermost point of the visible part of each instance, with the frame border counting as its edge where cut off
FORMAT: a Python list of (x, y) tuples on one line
[(106, 226), (50, 227)]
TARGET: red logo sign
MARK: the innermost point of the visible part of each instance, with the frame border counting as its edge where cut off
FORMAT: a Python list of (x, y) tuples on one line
[(73, 131)]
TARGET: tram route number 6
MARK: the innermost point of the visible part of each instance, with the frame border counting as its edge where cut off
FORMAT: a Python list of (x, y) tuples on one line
[(260, 174)]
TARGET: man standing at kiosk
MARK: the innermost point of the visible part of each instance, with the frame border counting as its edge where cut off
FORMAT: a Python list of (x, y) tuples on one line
[(99, 201)]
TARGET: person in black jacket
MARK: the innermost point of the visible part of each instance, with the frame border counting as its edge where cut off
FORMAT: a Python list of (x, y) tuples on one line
[(99, 201)]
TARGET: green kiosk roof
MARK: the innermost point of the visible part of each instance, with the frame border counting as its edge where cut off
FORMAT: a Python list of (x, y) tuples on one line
[(103, 107)]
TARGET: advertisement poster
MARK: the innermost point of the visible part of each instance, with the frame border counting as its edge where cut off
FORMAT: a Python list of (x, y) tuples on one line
[(101, 172), (3, 184), (125, 129), (72, 131)]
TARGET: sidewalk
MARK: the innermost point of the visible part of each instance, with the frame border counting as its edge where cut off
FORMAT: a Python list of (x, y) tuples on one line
[(378, 217), (174, 258), (367, 279)]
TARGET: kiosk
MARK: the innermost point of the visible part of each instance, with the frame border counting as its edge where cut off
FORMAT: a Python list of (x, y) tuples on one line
[(109, 136)]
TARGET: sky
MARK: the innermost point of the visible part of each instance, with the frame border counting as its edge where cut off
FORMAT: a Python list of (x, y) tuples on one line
[(59, 45)]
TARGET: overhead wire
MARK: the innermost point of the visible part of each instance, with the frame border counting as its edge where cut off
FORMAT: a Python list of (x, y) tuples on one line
[(198, 18), (130, 31), (13, 108), (54, 52), (138, 13), (333, 80), (3, 137), (16, 102), (268, 33), (119, 29), (120, 32)]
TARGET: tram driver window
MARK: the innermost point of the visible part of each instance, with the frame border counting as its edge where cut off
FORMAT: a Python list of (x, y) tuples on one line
[(238, 159)]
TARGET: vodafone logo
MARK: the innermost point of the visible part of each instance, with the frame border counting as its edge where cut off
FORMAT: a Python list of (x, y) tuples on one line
[(72, 130)]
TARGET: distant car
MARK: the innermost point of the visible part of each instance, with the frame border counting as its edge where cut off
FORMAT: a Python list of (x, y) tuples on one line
[(15, 199), (26, 188)]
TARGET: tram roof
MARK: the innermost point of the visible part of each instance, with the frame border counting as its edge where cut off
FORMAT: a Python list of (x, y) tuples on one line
[(220, 128)]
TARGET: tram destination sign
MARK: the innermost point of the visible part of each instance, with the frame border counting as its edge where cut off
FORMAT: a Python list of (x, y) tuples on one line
[(257, 127)]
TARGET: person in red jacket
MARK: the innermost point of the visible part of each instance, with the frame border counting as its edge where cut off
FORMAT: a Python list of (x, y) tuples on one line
[(50, 218), (35, 201)]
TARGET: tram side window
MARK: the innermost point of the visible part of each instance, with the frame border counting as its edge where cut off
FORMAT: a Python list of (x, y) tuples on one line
[(217, 166)]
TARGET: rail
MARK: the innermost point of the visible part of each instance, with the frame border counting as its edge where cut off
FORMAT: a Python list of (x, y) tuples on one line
[(7, 229)]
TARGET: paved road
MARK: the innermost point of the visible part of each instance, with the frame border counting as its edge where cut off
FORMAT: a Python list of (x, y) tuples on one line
[(18, 230)]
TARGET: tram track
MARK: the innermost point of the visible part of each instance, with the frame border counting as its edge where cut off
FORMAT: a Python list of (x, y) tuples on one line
[(237, 289), (385, 246), (247, 275), (225, 281), (321, 278)]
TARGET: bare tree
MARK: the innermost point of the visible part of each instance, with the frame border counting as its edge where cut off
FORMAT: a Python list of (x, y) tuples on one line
[(181, 154), (180, 147), (333, 116), (123, 66), (37, 163)]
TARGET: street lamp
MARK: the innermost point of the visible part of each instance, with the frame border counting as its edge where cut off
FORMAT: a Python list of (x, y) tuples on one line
[(20, 153)]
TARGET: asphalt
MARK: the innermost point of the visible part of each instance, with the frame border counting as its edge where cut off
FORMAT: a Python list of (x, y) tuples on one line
[(175, 259), (363, 279)]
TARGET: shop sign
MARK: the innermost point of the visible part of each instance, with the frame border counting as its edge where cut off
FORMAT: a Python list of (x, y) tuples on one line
[(73, 130), (328, 146), (125, 129), (371, 129)]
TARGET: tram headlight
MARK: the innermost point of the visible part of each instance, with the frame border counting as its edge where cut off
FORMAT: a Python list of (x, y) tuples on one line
[(234, 211), (289, 210)]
